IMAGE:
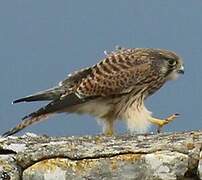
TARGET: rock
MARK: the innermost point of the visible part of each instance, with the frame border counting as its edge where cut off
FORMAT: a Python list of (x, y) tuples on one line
[(9, 168), (163, 156), (200, 166), (167, 165)]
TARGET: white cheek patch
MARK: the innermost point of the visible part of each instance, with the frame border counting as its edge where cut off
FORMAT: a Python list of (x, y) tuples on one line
[(173, 76)]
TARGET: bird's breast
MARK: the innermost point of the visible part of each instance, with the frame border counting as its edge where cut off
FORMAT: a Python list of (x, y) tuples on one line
[(137, 117)]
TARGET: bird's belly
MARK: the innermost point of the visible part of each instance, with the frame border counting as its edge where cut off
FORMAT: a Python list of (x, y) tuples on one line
[(95, 108)]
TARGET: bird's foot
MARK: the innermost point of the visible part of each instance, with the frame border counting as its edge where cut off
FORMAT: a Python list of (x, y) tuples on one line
[(108, 132), (162, 122)]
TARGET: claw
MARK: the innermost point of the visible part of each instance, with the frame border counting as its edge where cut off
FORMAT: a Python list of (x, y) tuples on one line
[(166, 121)]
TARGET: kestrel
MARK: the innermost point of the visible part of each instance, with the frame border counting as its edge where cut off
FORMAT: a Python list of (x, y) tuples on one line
[(113, 89)]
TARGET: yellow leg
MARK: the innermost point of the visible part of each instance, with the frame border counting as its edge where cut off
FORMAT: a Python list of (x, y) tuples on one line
[(109, 132), (162, 122), (108, 128)]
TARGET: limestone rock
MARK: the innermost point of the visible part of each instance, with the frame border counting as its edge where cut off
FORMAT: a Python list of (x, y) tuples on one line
[(200, 166), (167, 156)]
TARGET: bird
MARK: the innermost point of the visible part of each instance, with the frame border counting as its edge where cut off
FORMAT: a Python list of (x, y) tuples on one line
[(113, 89)]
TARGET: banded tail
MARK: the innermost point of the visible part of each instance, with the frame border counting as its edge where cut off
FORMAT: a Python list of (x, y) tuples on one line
[(25, 123), (55, 106)]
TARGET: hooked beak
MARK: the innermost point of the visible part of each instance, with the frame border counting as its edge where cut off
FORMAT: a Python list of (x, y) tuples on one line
[(181, 70)]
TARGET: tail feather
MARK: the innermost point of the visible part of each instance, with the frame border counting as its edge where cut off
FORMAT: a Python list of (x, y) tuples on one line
[(55, 106), (50, 94), (24, 124)]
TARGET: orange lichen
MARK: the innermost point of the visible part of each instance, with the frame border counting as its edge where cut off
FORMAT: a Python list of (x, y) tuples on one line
[(190, 145), (80, 166)]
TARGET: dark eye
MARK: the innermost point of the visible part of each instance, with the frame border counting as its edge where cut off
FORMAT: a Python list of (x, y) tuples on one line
[(172, 62)]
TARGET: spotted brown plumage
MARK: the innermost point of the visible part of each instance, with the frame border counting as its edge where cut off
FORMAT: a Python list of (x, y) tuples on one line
[(115, 88)]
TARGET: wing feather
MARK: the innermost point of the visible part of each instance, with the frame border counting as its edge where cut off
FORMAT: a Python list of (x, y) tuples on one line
[(118, 73)]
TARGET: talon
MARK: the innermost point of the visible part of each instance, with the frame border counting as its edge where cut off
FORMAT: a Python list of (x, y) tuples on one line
[(159, 129), (162, 122), (172, 117)]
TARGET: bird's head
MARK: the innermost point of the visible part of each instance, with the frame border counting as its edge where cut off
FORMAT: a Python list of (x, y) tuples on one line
[(171, 65)]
